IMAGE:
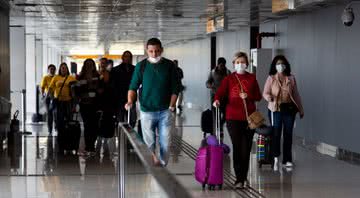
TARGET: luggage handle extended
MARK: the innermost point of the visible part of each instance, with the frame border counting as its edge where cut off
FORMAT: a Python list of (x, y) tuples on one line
[(217, 124), (128, 116)]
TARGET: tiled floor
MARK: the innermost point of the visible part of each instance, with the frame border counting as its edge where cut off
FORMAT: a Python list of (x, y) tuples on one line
[(31, 168)]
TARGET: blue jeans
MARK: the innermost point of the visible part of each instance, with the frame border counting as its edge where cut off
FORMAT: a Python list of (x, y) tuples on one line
[(283, 124), (163, 121)]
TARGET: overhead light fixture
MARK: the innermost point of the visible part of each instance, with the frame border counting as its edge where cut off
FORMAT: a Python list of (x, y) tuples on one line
[(26, 4)]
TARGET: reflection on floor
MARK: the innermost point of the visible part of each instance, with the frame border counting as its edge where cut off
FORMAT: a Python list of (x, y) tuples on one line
[(31, 167)]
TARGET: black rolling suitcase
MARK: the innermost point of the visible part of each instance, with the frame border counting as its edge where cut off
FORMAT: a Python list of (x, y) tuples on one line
[(207, 122), (70, 139), (107, 124)]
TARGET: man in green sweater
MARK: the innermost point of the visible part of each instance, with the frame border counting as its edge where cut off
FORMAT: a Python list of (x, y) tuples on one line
[(160, 89)]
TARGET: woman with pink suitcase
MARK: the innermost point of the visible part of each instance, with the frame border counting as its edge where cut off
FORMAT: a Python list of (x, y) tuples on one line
[(239, 87)]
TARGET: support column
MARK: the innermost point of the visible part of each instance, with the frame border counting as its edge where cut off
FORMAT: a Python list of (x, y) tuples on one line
[(39, 61), (45, 61), (17, 66), (30, 74), (4, 51)]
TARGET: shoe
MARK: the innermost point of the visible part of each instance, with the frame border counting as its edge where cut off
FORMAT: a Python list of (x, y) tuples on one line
[(289, 165), (288, 169), (92, 153), (83, 153), (238, 184), (246, 183), (276, 163)]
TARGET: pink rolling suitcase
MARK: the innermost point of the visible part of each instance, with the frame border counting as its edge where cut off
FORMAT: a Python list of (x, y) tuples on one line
[(209, 163)]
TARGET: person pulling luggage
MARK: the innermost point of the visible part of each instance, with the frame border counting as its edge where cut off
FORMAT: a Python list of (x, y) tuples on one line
[(238, 87)]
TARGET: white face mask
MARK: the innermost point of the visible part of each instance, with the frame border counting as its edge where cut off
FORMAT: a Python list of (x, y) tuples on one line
[(108, 68), (154, 60), (280, 68), (240, 68)]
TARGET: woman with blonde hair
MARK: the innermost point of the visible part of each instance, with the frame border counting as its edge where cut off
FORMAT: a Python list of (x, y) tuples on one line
[(242, 91)]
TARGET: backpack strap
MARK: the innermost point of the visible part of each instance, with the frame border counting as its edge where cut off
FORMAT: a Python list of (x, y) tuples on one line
[(142, 68)]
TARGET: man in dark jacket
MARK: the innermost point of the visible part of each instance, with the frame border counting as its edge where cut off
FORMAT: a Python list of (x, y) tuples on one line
[(180, 75), (120, 79), (213, 83)]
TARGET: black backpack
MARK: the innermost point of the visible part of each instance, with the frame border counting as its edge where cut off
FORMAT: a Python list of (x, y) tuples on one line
[(207, 121)]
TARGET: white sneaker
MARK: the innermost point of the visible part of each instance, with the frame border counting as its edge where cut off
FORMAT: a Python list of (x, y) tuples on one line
[(289, 164), (246, 183), (276, 163)]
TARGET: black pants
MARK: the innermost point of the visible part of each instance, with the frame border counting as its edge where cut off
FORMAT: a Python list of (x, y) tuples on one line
[(241, 138), (283, 125), (51, 118), (63, 112), (90, 119)]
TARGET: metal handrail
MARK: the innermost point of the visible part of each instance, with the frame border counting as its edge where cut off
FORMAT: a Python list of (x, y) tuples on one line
[(165, 179)]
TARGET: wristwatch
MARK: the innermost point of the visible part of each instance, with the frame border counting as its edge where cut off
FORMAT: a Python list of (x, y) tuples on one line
[(172, 109)]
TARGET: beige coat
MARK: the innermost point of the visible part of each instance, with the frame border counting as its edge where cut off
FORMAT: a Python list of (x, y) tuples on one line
[(272, 93)]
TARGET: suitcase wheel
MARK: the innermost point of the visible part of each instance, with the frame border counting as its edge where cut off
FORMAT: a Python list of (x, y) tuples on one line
[(220, 187)]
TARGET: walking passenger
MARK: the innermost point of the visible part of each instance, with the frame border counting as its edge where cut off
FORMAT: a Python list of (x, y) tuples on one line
[(180, 74), (240, 87), (106, 102), (120, 80), (158, 78), (86, 91), (284, 103), (60, 86), (45, 83), (214, 80)]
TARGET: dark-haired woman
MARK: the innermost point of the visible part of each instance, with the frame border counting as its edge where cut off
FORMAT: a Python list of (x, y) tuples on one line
[(45, 83), (60, 86), (86, 91), (284, 103)]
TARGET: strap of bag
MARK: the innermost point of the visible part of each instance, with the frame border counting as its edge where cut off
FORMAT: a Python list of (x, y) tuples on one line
[(244, 101), (62, 86)]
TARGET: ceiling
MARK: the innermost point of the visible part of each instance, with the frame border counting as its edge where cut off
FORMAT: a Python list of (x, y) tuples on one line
[(115, 25)]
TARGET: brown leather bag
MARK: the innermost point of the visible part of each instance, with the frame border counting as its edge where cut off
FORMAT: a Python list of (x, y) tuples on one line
[(256, 119)]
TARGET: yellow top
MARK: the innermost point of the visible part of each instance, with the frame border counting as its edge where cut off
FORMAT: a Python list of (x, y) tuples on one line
[(56, 84), (45, 82)]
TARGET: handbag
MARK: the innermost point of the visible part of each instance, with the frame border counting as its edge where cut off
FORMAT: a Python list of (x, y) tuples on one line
[(55, 101), (256, 119), (288, 108)]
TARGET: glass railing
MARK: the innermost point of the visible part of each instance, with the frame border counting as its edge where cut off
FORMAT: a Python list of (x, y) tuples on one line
[(138, 177)]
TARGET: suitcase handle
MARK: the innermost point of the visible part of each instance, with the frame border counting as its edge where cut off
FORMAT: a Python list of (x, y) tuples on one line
[(128, 116), (217, 124)]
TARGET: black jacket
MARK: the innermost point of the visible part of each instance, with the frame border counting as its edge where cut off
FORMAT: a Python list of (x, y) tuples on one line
[(120, 79)]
